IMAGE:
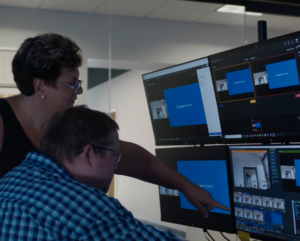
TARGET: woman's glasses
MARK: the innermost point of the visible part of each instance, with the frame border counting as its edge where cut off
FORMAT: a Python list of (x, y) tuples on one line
[(75, 87)]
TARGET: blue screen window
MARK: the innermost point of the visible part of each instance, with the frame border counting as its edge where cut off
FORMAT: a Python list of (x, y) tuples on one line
[(282, 74), (239, 82), (211, 176), (185, 105)]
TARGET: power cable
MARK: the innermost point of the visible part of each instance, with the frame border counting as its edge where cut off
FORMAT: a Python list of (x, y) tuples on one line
[(224, 236), (210, 236), (204, 231)]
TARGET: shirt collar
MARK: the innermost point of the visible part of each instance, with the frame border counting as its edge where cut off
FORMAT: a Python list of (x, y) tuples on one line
[(41, 161)]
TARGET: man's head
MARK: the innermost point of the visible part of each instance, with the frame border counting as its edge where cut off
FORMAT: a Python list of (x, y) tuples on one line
[(86, 143), (44, 57)]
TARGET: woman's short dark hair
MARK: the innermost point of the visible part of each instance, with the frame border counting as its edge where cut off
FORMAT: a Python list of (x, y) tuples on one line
[(43, 57), (68, 132)]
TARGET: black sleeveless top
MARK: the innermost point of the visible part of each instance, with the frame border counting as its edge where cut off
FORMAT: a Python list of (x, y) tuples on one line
[(15, 144)]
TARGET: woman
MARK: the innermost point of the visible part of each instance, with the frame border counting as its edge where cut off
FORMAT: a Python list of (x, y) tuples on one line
[(45, 69)]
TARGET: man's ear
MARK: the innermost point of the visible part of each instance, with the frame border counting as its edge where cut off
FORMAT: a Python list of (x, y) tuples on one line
[(86, 154), (39, 87)]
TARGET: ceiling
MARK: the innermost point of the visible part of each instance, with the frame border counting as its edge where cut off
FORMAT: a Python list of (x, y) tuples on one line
[(174, 10)]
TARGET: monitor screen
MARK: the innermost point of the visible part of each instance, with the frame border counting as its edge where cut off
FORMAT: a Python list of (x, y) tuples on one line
[(258, 91), (182, 104), (208, 168), (266, 190)]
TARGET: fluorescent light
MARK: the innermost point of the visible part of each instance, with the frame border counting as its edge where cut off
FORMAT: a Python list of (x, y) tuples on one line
[(232, 9), (235, 9)]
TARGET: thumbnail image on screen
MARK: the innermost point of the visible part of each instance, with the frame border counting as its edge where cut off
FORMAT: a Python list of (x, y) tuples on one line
[(237, 80), (258, 90), (206, 167), (266, 190), (182, 104)]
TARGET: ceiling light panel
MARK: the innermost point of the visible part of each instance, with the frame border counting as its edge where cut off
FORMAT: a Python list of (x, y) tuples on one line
[(232, 9), (235, 9)]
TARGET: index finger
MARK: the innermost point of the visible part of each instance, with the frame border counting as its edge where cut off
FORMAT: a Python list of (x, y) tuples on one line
[(215, 204)]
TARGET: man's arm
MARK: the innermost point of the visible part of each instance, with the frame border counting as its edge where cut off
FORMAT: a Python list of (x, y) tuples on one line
[(139, 163)]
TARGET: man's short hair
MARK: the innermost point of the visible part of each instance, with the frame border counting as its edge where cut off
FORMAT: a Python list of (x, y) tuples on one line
[(43, 57), (68, 132)]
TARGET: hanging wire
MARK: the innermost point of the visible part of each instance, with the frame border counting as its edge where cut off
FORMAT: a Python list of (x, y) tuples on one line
[(210, 236), (224, 236), (204, 231)]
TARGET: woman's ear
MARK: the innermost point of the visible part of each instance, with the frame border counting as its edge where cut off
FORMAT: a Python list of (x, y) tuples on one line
[(39, 87)]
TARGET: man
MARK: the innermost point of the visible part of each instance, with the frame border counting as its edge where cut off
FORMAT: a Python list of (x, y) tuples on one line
[(59, 193)]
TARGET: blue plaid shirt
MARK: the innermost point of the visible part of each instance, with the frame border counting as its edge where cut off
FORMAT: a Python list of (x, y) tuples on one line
[(40, 200)]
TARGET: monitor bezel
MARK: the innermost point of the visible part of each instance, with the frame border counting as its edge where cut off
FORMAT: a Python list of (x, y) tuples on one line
[(204, 140), (267, 140), (221, 140), (207, 149), (254, 235)]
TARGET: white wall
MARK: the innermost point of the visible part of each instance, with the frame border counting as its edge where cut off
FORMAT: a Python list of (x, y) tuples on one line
[(132, 114), (133, 39), (136, 39), (6, 76)]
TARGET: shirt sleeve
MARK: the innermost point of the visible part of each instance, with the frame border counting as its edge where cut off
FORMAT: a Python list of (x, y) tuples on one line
[(123, 226)]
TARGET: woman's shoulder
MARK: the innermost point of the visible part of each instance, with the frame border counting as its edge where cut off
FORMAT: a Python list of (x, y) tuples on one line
[(7, 114), (9, 106), (3, 107)]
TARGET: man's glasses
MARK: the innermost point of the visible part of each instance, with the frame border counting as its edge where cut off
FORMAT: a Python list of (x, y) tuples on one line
[(117, 154), (75, 87)]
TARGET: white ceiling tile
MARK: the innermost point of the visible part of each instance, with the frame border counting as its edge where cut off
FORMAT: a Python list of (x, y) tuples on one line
[(273, 21), (88, 6), (204, 7), (178, 10), (21, 3), (223, 18), (294, 28), (126, 9), (175, 14)]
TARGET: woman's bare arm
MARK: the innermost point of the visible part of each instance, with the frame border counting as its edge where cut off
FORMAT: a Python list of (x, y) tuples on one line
[(139, 163), (1, 132)]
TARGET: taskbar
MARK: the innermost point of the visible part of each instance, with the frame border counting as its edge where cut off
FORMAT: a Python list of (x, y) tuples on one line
[(194, 138), (261, 135), (272, 233)]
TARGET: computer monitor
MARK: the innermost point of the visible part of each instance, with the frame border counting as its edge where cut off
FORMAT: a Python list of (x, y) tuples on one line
[(266, 190), (258, 91), (208, 168), (182, 104)]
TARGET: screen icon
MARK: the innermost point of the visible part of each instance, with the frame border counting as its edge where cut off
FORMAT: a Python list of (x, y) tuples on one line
[(256, 126)]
